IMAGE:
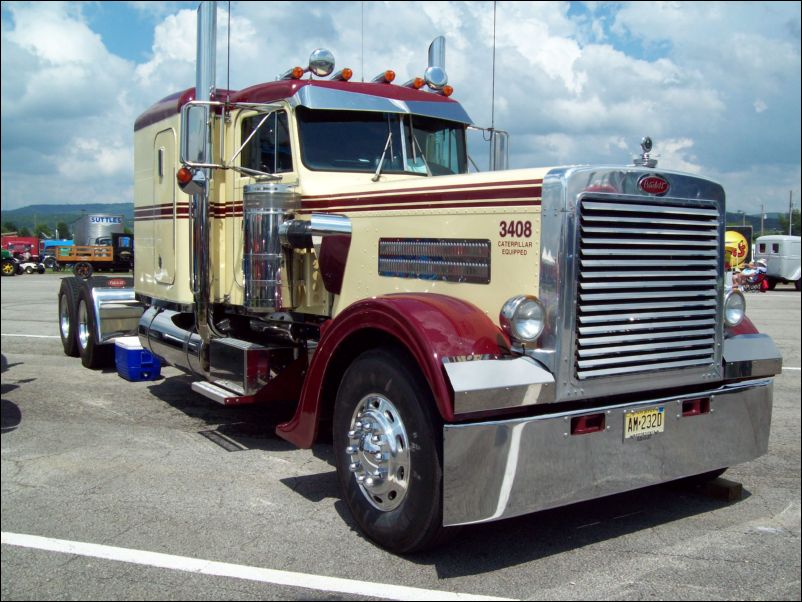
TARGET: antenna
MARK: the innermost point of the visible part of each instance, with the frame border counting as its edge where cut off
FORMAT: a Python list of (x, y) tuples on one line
[(363, 40)]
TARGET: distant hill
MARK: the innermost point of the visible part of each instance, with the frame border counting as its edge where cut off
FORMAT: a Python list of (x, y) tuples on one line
[(771, 223), (51, 215)]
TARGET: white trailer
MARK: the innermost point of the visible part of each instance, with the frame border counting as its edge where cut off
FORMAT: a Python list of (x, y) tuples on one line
[(782, 256)]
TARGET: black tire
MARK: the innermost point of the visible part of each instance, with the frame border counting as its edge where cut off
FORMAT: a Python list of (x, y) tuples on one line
[(9, 268), (93, 354), (68, 315), (28, 270), (404, 512), (796, 284), (83, 269), (772, 284), (40, 269), (50, 262)]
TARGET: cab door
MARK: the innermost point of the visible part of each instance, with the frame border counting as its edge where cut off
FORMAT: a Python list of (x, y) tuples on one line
[(164, 207)]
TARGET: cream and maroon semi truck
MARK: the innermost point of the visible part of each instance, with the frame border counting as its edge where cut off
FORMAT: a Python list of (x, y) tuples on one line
[(480, 345)]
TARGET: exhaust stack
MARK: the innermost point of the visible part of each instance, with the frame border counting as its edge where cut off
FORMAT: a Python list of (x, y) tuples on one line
[(204, 91)]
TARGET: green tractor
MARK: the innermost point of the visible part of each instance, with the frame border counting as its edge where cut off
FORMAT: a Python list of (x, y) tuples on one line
[(10, 265)]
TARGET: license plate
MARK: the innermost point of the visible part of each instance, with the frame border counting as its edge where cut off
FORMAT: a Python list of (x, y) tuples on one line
[(644, 422)]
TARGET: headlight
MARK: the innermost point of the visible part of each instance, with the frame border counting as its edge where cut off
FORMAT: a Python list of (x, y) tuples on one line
[(522, 318), (734, 308)]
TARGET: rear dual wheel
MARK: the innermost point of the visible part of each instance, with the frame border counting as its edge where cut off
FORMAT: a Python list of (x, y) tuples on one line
[(77, 325)]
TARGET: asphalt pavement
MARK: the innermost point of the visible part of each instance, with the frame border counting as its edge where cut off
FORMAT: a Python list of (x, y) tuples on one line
[(115, 490)]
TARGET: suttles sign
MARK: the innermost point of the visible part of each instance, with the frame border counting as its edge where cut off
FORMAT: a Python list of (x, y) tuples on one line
[(104, 219)]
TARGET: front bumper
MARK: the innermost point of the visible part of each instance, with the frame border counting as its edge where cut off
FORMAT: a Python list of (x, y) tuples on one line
[(500, 469)]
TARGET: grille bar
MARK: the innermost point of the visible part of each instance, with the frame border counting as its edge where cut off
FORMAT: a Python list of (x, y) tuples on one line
[(647, 292), (646, 337)]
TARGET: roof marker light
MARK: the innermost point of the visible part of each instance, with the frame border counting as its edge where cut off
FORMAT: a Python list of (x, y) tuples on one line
[(385, 77), (416, 83), (343, 75), (294, 73)]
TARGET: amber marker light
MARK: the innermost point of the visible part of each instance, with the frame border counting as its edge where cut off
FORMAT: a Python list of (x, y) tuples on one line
[(184, 176), (416, 83), (389, 76), (347, 74), (297, 72), (447, 90)]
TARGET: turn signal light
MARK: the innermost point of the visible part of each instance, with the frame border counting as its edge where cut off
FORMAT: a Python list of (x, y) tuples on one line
[(184, 176), (447, 90), (297, 72)]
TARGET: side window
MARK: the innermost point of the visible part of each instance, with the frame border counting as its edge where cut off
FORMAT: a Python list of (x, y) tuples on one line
[(761, 248), (269, 149), (775, 248)]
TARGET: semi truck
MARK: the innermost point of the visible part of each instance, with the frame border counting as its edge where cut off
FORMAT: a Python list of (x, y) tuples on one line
[(479, 345)]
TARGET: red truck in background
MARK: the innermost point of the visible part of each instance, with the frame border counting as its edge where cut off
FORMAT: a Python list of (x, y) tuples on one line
[(19, 245)]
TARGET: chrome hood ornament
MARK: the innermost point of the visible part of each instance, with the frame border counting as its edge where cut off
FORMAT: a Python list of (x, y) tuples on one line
[(645, 158)]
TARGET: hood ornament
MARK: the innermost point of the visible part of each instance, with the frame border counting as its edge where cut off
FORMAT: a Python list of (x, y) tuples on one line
[(645, 160)]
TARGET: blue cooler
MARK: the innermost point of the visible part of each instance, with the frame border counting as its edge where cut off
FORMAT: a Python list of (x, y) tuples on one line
[(133, 362)]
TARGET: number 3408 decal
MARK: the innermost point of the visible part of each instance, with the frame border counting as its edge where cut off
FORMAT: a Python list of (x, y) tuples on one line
[(515, 228)]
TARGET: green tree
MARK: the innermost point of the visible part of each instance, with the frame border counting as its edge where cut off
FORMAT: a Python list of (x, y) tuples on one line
[(25, 231), (9, 227), (796, 223), (63, 230), (42, 231)]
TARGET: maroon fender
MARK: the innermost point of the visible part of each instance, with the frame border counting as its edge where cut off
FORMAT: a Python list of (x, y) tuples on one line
[(429, 326), (745, 327)]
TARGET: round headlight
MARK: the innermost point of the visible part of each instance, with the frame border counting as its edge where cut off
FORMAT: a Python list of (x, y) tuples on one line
[(523, 318), (734, 308)]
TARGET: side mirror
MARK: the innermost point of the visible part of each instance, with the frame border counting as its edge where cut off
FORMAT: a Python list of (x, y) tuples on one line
[(194, 134), (499, 151)]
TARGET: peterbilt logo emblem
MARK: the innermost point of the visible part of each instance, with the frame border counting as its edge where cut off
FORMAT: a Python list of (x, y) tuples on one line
[(653, 185)]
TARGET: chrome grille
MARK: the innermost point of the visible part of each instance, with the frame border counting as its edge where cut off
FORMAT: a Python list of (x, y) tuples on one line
[(647, 287)]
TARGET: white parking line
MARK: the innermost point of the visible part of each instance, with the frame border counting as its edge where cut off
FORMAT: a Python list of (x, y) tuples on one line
[(238, 571), (33, 336)]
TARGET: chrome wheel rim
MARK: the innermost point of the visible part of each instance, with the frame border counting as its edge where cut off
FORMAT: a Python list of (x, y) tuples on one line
[(378, 448), (83, 326), (64, 317)]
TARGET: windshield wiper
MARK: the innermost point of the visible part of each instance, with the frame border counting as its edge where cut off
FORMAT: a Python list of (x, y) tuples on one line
[(384, 154), (421, 155)]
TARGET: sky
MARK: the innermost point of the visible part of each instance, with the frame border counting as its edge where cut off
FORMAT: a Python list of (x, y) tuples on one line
[(716, 85)]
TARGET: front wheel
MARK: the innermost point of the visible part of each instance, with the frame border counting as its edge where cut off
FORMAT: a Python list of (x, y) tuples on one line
[(388, 449)]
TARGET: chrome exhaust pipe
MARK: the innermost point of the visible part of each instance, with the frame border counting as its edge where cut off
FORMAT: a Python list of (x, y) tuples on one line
[(163, 337)]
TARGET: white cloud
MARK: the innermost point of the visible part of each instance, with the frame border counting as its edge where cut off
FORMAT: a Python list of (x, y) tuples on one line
[(717, 86)]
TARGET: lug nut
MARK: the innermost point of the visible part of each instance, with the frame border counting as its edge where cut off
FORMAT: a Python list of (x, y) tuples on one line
[(352, 435), (369, 482), (354, 466), (378, 456), (352, 449)]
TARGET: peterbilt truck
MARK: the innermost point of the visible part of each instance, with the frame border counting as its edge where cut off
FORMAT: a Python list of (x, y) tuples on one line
[(479, 345)]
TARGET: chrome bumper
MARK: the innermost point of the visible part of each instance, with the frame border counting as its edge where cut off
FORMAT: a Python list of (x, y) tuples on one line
[(499, 469)]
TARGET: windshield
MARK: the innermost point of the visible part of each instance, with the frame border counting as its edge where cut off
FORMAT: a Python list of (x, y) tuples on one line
[(356, 140)]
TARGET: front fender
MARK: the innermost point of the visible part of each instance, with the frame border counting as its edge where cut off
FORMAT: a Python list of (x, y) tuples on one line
[(429, 326)]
